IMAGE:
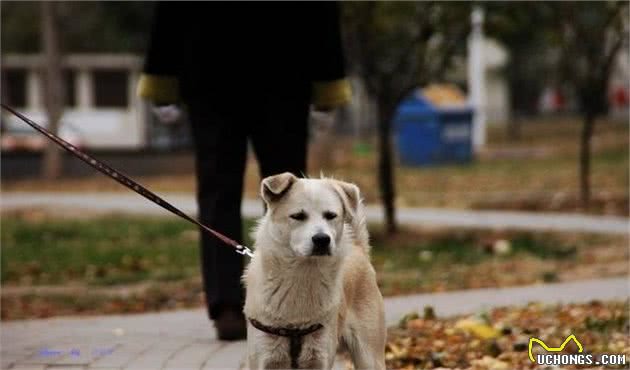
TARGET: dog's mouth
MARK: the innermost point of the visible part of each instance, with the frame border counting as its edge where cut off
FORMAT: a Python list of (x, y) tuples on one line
[(318, 253)]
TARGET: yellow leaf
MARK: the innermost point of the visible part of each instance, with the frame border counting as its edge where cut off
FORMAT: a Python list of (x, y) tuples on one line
[(476, 328)]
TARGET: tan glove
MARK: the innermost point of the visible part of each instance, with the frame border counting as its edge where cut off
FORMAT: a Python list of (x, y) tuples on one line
[(328, 95)]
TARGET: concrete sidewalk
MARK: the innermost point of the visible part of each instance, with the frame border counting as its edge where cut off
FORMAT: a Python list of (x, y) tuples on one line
[(186, 340), (128, 202)]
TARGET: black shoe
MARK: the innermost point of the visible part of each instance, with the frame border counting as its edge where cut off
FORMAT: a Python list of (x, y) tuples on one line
[(231, 325)]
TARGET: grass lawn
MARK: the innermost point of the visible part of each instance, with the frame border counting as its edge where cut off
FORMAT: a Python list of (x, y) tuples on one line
[(133, 264), (103, 251)]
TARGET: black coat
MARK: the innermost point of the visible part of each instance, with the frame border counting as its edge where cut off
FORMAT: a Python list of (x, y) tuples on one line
[(229, 49)]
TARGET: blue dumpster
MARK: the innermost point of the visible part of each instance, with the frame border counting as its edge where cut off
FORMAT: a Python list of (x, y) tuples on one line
[(429, 135)]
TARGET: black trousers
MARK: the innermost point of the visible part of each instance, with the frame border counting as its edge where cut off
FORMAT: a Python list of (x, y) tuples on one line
[(278, 131)]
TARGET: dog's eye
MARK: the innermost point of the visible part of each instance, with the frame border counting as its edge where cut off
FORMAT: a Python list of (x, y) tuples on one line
[(300, 216), (330, 215)]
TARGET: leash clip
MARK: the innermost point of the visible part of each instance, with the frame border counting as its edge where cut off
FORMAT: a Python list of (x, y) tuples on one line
[(241, 249)]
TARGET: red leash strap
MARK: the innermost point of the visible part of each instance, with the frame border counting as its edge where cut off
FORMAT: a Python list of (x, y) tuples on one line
[(126, 181)]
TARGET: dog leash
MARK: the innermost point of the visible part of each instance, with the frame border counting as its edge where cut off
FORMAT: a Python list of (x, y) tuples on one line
[(127, 182)]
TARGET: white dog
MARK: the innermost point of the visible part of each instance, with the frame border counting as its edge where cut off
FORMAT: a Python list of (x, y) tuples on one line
[(310, 284)]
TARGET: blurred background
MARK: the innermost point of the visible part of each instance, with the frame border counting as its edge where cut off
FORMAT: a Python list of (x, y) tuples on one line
[(457, 107), (523, 89)]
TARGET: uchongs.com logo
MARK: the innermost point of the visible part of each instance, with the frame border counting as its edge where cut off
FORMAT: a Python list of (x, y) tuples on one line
[(553, 357)]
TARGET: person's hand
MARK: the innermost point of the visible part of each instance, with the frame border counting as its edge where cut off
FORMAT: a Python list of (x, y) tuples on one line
[(326, 115), (323, 119), (167, 114)]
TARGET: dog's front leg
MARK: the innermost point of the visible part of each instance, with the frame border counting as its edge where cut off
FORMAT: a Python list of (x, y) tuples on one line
[(365, 355), (265, 351), (268, 362)]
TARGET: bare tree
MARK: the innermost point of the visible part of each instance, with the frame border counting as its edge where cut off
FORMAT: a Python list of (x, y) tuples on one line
[(395, 47), (590, 35), (53, 91)]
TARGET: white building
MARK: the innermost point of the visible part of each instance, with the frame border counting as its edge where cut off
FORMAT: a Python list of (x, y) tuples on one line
[(102, 109)]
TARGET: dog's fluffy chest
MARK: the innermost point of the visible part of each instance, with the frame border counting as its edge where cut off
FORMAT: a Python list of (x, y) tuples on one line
[(291, 293), (298, 294)]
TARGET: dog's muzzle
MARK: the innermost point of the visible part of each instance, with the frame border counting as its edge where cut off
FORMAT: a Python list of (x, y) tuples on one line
[(321, 245)]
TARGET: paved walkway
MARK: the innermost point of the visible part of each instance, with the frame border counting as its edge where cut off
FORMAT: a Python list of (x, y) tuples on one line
[(132, 203), (469, 301), (185, 339)]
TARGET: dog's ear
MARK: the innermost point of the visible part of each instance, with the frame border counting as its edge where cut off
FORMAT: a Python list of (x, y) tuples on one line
[(353, 211), (350, 197), (274, 187)]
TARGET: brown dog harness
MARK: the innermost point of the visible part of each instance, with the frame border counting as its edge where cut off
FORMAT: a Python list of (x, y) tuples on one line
[(295, 336)]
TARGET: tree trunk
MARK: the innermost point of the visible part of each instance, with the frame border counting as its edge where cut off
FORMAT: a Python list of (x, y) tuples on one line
[(385, 166), (53, 91), (514, 128), (585, 159)]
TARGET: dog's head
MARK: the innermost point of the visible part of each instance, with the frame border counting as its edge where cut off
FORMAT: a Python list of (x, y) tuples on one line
[(306, 217)]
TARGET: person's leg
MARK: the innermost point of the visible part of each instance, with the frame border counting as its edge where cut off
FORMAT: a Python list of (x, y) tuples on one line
[(280, 136), (221, 148)]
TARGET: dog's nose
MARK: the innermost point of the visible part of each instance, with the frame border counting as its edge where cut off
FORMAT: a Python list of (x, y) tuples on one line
[(321, 244)]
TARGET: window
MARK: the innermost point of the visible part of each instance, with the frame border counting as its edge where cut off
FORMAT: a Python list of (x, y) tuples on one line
[(69, 90), (110, 88), (14, 87)]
